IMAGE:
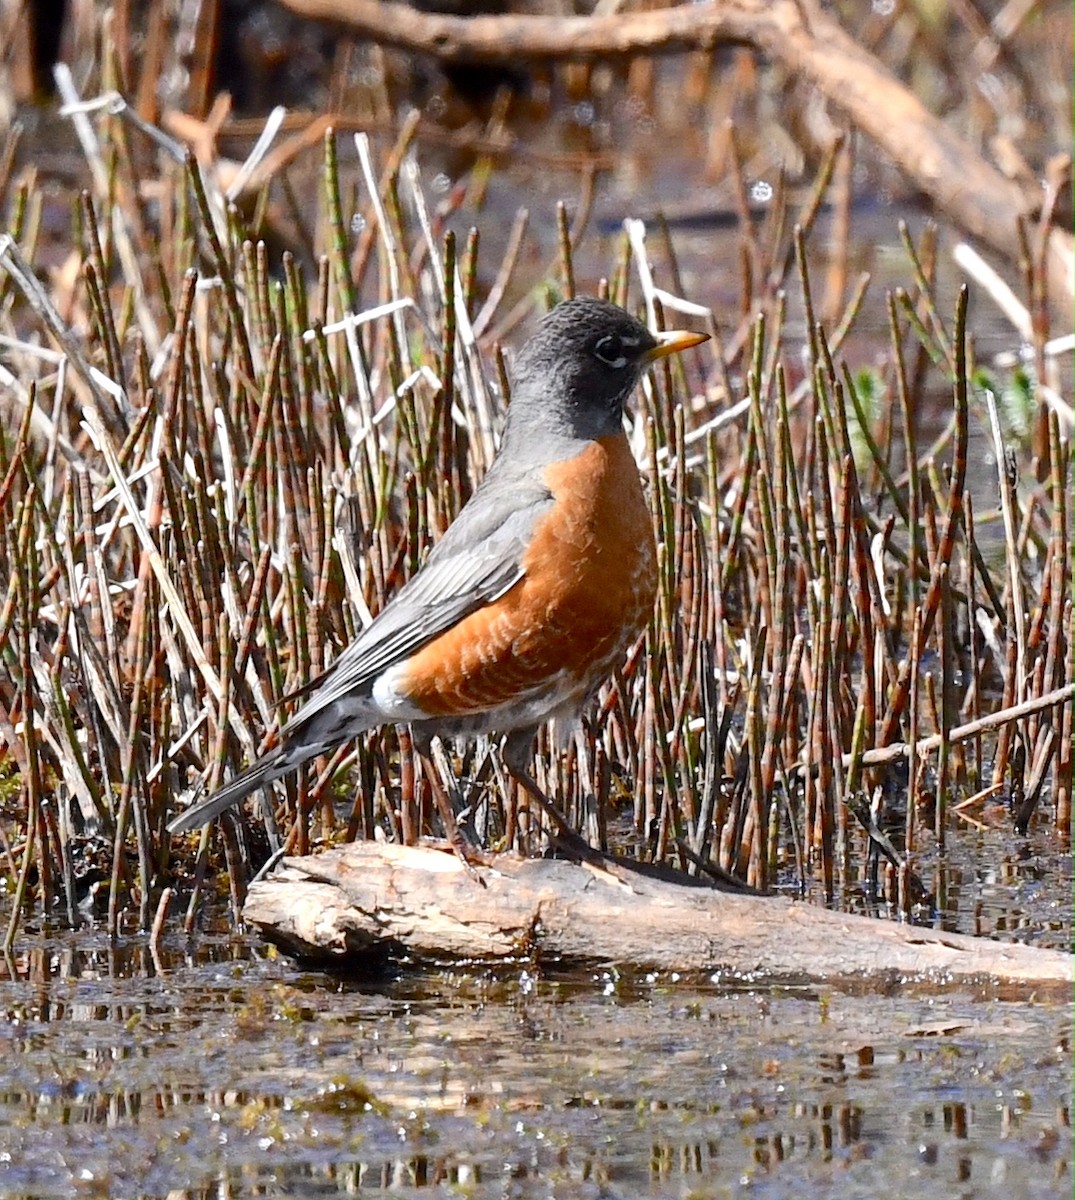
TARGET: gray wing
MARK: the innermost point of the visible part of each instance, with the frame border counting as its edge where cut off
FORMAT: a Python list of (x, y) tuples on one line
[(477, 560)]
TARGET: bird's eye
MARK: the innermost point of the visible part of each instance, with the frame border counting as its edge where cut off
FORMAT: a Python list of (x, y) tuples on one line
[(610, 351)]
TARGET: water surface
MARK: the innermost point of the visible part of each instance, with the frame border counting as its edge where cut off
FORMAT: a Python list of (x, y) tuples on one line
[(229, 1071)]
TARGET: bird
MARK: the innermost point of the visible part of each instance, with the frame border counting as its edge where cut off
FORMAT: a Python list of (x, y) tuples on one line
[(534, 593)]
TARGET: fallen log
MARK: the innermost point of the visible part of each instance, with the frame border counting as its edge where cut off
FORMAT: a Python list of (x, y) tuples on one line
[(367, 901)]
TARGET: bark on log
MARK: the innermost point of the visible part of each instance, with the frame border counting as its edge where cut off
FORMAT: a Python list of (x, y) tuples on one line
[(367, 900), (809, 43)]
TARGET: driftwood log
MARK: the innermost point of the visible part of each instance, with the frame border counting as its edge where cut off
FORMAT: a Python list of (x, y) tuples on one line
[(367, 901), (803, 37)]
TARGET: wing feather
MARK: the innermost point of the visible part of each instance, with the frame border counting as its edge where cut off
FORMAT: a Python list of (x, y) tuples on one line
[(478, 560)]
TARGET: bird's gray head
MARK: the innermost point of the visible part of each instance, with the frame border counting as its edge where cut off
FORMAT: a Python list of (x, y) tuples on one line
[(574, 376)]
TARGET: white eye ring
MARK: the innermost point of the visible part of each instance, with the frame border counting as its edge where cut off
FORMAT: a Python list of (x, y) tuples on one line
[(610, 351)]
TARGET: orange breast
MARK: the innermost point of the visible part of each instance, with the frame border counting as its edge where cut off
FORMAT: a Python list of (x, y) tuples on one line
[(587, 593)]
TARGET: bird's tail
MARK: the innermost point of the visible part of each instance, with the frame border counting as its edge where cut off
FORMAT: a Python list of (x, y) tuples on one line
[(299, 743), (329, 718), (260, 773)]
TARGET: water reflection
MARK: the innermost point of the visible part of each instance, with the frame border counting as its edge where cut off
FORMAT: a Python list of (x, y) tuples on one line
[(220, 1069)]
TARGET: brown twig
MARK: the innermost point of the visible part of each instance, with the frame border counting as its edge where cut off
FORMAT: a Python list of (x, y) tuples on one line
[(961, 733)]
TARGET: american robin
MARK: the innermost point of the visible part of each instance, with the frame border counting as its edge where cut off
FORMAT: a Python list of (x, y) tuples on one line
[(536, 590)]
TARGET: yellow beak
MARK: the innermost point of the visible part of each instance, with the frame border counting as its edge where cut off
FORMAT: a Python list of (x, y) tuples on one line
[(672, 342)]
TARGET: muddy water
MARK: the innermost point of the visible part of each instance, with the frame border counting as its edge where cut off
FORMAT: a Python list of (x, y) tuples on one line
[(230, 1072)]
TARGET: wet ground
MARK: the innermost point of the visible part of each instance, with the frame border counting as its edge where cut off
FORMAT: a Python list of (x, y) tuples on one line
[(229, 1072), (988, 883)]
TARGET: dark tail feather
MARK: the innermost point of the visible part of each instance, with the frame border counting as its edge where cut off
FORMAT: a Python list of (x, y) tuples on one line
[(317, 729), (257, 775)]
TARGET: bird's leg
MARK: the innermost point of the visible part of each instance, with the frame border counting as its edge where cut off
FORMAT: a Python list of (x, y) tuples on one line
[(446, 811), (450, 783), (594, 832), (442, 782), (517, 749)]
